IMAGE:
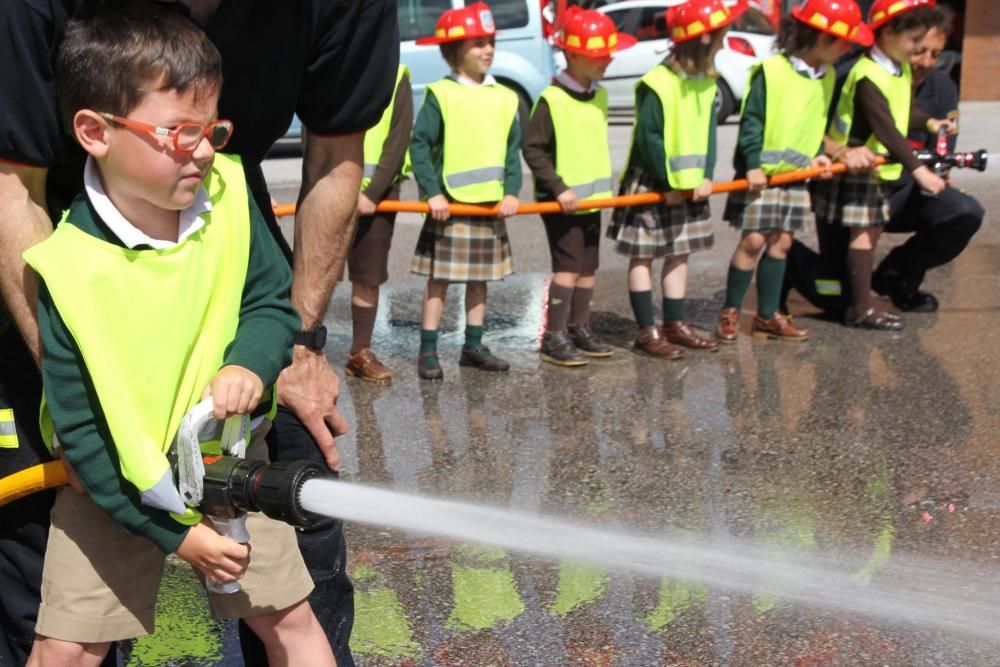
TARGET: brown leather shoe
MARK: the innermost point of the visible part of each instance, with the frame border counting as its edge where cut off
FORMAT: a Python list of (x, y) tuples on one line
[(652, 342), (728, 329), (779, 327), (679, 333), (365, 365)]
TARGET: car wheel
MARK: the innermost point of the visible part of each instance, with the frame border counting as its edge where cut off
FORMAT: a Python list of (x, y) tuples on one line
[(725, 103)]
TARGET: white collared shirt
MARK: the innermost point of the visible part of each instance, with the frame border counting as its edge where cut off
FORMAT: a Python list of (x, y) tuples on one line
[(488, 80), (887, 63), (572, 84), (802, 67), (130, 235)]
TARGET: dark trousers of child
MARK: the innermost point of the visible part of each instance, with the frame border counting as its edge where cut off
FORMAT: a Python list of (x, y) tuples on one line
[(942, 227)]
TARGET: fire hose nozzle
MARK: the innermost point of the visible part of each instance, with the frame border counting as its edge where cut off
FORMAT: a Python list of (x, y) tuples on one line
[(233, 485)]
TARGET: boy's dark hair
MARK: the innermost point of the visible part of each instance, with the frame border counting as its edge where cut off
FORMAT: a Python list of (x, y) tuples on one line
[(693, 56), (921, 18), (795, 37), (113, 56), (451, 51)]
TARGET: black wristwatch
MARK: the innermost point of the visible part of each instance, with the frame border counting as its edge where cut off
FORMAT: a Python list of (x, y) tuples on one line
[(314, 339)]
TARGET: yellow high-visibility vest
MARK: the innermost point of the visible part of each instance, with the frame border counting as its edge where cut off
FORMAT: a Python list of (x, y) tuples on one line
[(688, 105), (792, 145), (376, 137), (477, 121), (583, 159), (897, 91), (153, 325)]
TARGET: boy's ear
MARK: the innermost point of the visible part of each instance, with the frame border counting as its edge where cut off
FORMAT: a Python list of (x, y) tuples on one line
[(91, 132)]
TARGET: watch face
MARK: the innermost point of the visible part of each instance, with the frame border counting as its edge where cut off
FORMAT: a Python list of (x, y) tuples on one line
[(319, 342)]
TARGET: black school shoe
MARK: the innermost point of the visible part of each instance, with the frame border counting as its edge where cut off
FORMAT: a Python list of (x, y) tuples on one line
[(907, 300), (558, 349), (585, 341), (480, 357), (428, 366)]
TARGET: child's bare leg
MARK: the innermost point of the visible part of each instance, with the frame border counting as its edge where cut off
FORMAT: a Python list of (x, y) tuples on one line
[(293, 636), (50, 652), (434, 297), (747, 251), (674, 277), (475, 303)]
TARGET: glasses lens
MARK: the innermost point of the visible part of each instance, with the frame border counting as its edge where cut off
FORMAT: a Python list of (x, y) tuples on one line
[(220, 133), (189, 136)]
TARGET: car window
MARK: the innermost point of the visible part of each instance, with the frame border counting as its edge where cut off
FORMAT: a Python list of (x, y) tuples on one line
[(652, 24), (624, 19), (509, 13), (419, 17), (754, 22)]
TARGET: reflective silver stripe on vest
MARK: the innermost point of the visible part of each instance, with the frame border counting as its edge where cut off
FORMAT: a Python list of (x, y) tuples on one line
[(7, 428), (841, 125), (789, 155), (474, 176), (682, 162), (585, 190), (369, 171)]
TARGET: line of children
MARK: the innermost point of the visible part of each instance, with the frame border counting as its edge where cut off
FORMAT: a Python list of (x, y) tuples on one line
[(673, 150), (385, 154), (160, 287), (801, 77), (875, 110), (465, 148), (567, 150)]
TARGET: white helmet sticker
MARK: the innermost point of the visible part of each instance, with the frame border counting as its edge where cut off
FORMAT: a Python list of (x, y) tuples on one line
[(486, 20)]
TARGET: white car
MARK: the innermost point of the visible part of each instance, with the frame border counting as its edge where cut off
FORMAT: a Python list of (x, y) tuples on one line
[(750, 40)]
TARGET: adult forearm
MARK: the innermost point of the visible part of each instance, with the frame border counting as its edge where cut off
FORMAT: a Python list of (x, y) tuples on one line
[(24, 222), (324, 220)]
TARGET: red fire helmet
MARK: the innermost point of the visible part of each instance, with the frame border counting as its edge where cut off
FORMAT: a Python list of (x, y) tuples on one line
[(455, 25), (840, 18), (885, 10), (591, 33), (697, 17)]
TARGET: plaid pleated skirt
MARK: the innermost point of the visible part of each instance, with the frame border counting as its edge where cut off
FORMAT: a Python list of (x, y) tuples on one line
[(659, 230), (785, 207), (463, 249), (851, 200)]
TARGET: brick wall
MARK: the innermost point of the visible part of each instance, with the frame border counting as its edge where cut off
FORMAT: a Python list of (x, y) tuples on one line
[(981, 51)]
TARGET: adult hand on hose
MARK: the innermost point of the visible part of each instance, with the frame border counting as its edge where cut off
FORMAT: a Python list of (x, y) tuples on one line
[(310, 389), (929, 181)]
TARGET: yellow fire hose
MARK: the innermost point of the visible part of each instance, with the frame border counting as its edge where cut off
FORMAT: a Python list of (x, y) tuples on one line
[(31, 480), (52, 474)]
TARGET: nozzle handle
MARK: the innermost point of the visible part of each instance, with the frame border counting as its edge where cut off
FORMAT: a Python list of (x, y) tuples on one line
[(235, 529)]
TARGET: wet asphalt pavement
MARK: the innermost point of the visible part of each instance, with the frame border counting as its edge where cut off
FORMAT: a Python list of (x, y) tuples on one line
[(863, 447)]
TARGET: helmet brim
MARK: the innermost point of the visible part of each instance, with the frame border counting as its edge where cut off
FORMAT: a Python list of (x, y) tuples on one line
[(431, 40), (862, 37), (625, 41)]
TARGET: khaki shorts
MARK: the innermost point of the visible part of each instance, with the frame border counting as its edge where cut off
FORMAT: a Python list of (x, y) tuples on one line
[(100, 583)]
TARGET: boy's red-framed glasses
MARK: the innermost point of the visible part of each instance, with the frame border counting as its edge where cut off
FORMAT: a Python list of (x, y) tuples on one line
[(186, 136)]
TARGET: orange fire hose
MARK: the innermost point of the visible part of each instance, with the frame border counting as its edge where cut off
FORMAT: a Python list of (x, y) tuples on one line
[(282, 210), (52, 474)]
